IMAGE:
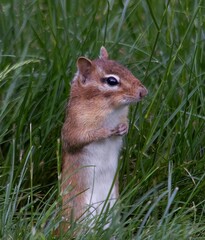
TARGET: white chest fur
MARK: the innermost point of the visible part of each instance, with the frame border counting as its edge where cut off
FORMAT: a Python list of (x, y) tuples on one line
[(102, 161)]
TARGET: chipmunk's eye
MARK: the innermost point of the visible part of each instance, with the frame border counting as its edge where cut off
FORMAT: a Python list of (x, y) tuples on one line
[(112, 81)]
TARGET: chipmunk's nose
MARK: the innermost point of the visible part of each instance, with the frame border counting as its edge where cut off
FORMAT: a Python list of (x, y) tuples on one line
[(142, 92)]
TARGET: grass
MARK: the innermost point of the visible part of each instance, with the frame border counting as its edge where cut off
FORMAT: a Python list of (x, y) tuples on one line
[(162, 166)]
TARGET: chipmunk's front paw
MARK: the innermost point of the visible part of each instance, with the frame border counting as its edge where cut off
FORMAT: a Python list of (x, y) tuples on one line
[(120, 130)]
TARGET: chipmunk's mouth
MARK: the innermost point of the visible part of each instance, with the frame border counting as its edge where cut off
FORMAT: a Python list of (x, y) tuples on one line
[(132, 100)]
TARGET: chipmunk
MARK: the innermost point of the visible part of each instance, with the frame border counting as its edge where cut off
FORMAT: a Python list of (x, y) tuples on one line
[(96, 120)]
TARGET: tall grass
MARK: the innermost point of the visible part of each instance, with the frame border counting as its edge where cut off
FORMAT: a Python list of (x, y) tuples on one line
[(162, 165)]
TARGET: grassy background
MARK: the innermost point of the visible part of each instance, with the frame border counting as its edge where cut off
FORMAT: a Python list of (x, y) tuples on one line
[(162, 166)]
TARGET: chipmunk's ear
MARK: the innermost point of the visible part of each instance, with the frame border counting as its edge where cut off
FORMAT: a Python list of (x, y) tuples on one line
[(85, 67), (103, 53)]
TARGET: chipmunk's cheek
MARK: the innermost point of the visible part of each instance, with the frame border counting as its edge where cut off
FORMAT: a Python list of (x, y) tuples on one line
[(118, 101)]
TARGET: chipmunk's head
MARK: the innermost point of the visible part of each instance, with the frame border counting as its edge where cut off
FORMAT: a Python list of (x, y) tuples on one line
[(107, 79)]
